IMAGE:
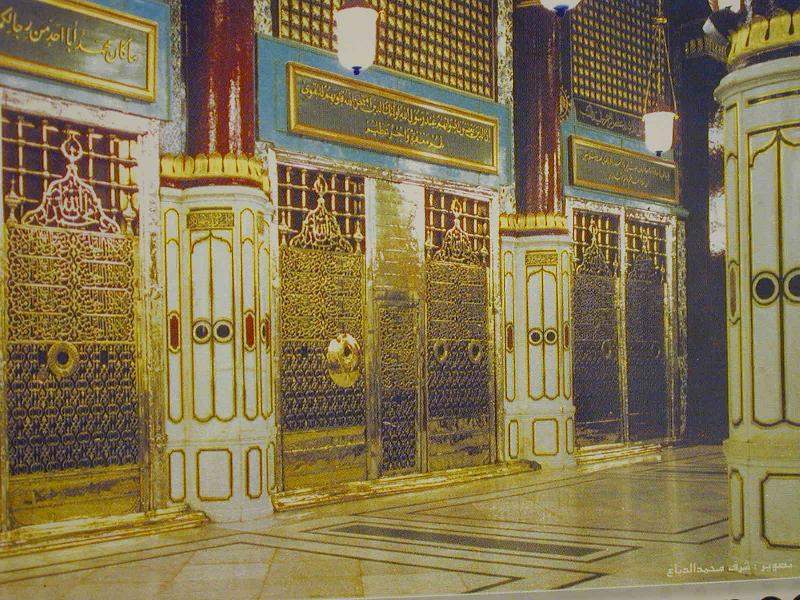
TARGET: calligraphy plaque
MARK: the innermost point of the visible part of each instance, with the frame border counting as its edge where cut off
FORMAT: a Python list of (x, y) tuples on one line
[(80, 43), (610, 169), (338, 109), (609, 119)]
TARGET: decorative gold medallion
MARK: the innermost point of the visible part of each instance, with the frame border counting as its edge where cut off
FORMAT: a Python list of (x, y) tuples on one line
[(62, 359), (344, 360)]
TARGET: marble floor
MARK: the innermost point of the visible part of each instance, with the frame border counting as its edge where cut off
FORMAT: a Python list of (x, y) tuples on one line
[(639, 524)]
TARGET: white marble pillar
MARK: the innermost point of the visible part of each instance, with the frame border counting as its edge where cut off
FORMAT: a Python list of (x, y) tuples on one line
[(220, 409), (536, 263), (762, 152)]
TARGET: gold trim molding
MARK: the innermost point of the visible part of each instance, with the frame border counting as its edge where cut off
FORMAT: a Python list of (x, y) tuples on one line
[(69, 534), (184, 171), (517, 224), (361, 490), (763, 34)]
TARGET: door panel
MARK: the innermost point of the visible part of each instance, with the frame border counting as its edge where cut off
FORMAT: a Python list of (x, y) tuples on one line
[(398, 343), (648, 401), (321, 329), (598, 398), (74, 414), (460, 398)]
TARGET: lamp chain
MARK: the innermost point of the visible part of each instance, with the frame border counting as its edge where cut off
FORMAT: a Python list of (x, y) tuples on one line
[(659, 45)]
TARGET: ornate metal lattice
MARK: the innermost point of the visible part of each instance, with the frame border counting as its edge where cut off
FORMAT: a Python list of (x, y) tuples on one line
[(611, 56), (598, 232), (323, 297), (319, 210), (456, 228), (71, 226), (648, 401), (398, 357), (460, 397), (450, 42), (596, 372), (648, 239)]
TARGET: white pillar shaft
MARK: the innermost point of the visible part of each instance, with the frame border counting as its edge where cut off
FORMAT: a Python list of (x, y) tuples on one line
[(762, 151), (539, 410), (220, 407)]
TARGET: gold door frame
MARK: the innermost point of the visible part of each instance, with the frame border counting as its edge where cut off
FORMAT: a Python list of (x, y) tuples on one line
[(148, 328), (674, 306), (371, 175)]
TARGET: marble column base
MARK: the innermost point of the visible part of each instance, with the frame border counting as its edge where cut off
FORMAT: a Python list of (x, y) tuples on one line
[(545, 437), (764, 484)]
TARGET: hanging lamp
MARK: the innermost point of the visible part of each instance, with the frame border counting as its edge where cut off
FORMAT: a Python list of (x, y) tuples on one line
[(659, 115), (560, 7), (356, 35)]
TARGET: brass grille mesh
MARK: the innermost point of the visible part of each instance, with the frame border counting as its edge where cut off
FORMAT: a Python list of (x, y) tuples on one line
[(649, 239), (612, 47), (71, 372), (343, 198), (456, 228), (450, 42), (596, 229), (32, 159)]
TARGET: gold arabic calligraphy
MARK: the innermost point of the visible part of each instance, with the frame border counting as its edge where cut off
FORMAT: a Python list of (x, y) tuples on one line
[(608, 120), (71, 37), (626, 171), (408, 124)]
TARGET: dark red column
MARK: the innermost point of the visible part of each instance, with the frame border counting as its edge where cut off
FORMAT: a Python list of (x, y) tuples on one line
[(219, 68), (537, 125)]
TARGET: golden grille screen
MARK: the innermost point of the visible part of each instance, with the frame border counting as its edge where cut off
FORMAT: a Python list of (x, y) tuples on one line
[(612, 48), (600, 230), (450, 42), (302, 190), (649, 239), (456, 228)]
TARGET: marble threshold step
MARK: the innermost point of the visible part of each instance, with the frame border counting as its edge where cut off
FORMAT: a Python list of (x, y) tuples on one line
[(359, 490), (606, 454), (78, 532)]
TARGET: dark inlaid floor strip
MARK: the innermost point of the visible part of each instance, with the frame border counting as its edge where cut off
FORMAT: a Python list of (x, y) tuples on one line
[(472, 541)]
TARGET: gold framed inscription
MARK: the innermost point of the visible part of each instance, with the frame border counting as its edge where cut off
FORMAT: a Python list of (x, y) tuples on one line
[(80, 43), (339, 109), (605, 168)]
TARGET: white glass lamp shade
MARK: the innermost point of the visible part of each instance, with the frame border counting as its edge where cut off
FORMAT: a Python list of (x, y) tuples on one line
[(659, 131), (734, 5), (560, 6), (356, 35)]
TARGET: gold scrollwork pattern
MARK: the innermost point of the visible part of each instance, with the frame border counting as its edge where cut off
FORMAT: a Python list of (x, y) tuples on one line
[(596, 377), (398, 384), (460, 399), (73, 403), (625, 359), (323, 295), (645, 331)]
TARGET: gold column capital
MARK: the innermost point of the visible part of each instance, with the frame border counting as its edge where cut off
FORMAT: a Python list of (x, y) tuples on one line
[(763, 34), (184, 171), (543, 223)]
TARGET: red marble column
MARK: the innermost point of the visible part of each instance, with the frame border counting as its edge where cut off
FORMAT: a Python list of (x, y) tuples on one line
[(219, 66), (537, 125)]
